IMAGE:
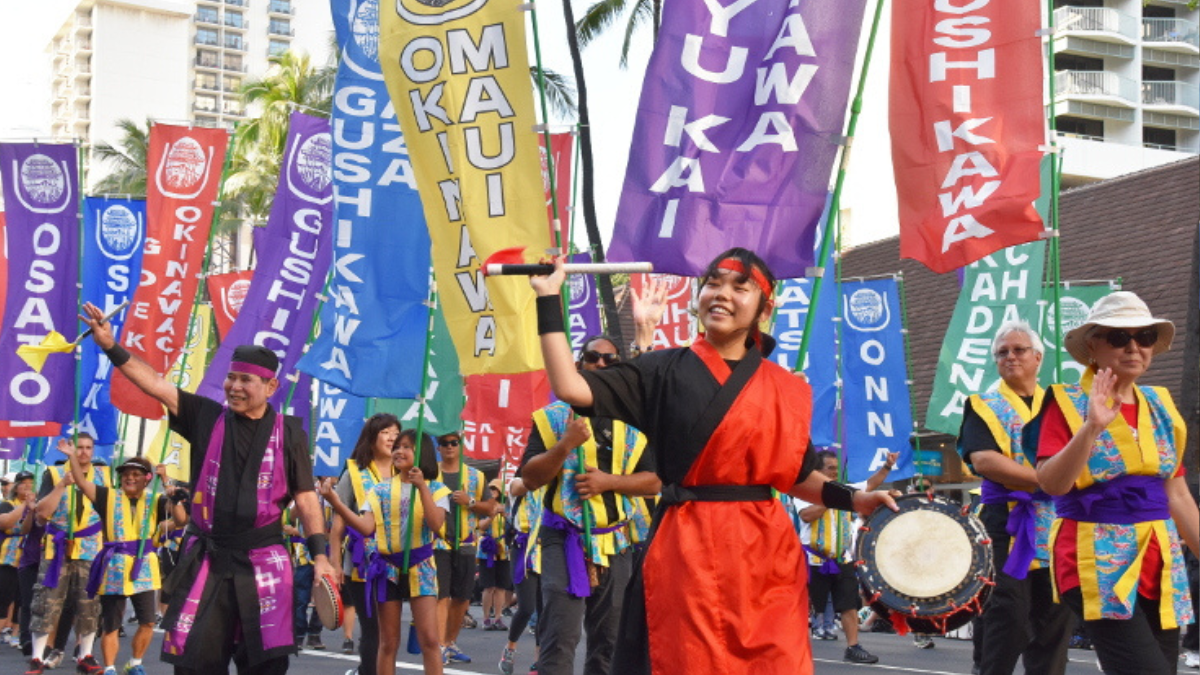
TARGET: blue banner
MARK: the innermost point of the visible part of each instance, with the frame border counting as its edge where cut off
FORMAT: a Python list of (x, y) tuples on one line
[(820, 367), (339, 420), (374, 322), (877, 412), (114, 232)]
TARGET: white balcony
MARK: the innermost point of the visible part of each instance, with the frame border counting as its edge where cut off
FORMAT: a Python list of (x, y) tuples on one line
[(1096, 86), (1097, 23), (1178, 97), (1178, 34)]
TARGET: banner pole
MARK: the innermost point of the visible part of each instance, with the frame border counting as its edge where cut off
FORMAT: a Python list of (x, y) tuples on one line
[(420, 436), (1055, 181), (183, 353), (77, 352), (843, 452), (908, 363), (541, 85), (835, 201)]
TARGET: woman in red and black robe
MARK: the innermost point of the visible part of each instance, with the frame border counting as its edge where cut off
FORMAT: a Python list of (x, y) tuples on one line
[(722, 586)]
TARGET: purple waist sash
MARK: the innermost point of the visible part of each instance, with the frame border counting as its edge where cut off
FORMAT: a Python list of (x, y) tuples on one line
[(577, 576), (59, 542), (1021, 526), (104, 559), (357, 549), (377, 570), (489, 548), (830, 565), (1127, 500), (520, 548)]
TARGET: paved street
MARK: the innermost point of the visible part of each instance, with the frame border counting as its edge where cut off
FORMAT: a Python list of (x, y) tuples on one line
[(896, 655)]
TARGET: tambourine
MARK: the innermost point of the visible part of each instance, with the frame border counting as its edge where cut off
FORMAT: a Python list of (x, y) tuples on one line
[(328, 602), (927, 567)]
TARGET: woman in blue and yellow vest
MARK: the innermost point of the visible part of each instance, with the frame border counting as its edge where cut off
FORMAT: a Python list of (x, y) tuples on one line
[(1111, 452), (524, 525), (495, 567), (370, 464), (15, 522), (402, 567)]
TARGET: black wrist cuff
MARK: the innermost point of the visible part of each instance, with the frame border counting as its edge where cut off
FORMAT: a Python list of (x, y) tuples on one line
[(317, 544), (118, 355), (835, 495), (549, 314)]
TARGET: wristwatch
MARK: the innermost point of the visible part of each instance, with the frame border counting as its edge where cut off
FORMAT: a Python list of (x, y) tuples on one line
[(471, 503)]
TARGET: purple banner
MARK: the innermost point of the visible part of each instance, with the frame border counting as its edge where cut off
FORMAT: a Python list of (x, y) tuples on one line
[(293, 259), (584, 307), (738, 127), (41, 195)]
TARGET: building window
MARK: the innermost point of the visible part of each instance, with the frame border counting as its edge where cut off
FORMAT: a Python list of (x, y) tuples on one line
[(236, 3), (234, 62), (279, 27), (234, 19), (206, 14), (207, 59), (233, 83), (205, 121), (1164, 139), (280, 7), (233, 41), (1079, 126), (206, 36), (232, 106), (277, 47), (206, 81), (206, 103)]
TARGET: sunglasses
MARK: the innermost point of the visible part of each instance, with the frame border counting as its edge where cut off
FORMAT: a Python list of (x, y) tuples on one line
[(1018, 352), (592, 356), (1145, 337), (451, 443)]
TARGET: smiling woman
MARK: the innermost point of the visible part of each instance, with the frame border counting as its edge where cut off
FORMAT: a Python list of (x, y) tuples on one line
[(1112, 452)]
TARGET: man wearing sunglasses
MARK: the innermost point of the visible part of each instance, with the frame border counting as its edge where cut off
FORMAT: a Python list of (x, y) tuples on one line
[(990, 442), (455, 551), (591, 468)]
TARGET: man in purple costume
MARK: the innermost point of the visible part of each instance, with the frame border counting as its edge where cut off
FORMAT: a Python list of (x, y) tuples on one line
[(231, 592)]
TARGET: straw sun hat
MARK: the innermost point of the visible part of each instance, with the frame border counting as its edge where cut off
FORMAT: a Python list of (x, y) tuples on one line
[(1121, 309)]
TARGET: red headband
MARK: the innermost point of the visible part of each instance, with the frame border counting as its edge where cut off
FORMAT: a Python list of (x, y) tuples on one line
[(250, 368), (735, 265)]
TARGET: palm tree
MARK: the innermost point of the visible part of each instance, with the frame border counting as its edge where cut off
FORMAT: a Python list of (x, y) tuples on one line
[(560, 95), (126, 160), (603, 14)]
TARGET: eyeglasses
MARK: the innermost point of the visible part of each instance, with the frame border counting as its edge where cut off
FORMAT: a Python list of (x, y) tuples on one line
[(1018, 352), (591, 357), (452, 443), (1145, 337)]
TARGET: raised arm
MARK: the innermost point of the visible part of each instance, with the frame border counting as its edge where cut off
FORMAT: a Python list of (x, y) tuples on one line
[(138, 371), (78, 471), (363, 522), (46, 506), (881, 475), (565, 380), (1057, 474)]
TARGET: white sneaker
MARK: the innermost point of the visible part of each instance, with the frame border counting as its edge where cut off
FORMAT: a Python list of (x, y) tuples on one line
[(1191, 659)]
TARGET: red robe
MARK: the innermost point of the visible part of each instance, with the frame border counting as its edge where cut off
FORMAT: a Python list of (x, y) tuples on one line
[(725, 583)]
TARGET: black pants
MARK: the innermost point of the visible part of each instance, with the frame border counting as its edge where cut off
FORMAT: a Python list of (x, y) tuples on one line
[(368, 641), (563, 616), (215, 633), (1023, 622), (527, 603), (26, 578), (1134, 646)]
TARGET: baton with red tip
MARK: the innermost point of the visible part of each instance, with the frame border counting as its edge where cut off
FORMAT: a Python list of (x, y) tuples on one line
[(511, 262)]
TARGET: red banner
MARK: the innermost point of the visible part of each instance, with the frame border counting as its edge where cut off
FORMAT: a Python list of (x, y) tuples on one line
[(966, 120), (678, 327), (228, 292), (561, 148), (498, 414), (184, 175)]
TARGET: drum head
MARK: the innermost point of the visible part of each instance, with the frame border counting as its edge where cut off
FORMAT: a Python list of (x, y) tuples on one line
[(931, 562), (328, 603)]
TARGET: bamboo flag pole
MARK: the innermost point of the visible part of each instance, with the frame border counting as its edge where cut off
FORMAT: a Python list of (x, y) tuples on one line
[(420, 436), (187, 350), (77, 352), (835, 201), (1055, 178), (908, 363)]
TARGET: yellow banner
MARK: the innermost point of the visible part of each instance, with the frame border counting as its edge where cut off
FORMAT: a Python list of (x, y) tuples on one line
[(187, 372), (458, 76)]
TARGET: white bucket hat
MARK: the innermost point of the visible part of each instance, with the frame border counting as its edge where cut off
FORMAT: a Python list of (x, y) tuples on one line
[(1121, 309)]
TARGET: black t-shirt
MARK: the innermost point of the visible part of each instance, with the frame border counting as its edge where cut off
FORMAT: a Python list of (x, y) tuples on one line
[(237, 483), (603, 435), (103, 494), (976, 436)]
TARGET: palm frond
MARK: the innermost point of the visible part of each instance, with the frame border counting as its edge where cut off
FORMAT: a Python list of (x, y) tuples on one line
[(643, 10), (560, 92), (596, 19)]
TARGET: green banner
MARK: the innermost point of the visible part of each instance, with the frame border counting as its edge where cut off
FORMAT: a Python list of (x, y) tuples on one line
[(443, 410), (1004, 286), (1076, 303)]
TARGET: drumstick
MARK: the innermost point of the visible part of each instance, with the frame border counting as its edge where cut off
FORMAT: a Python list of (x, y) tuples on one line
[(511, 262)]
